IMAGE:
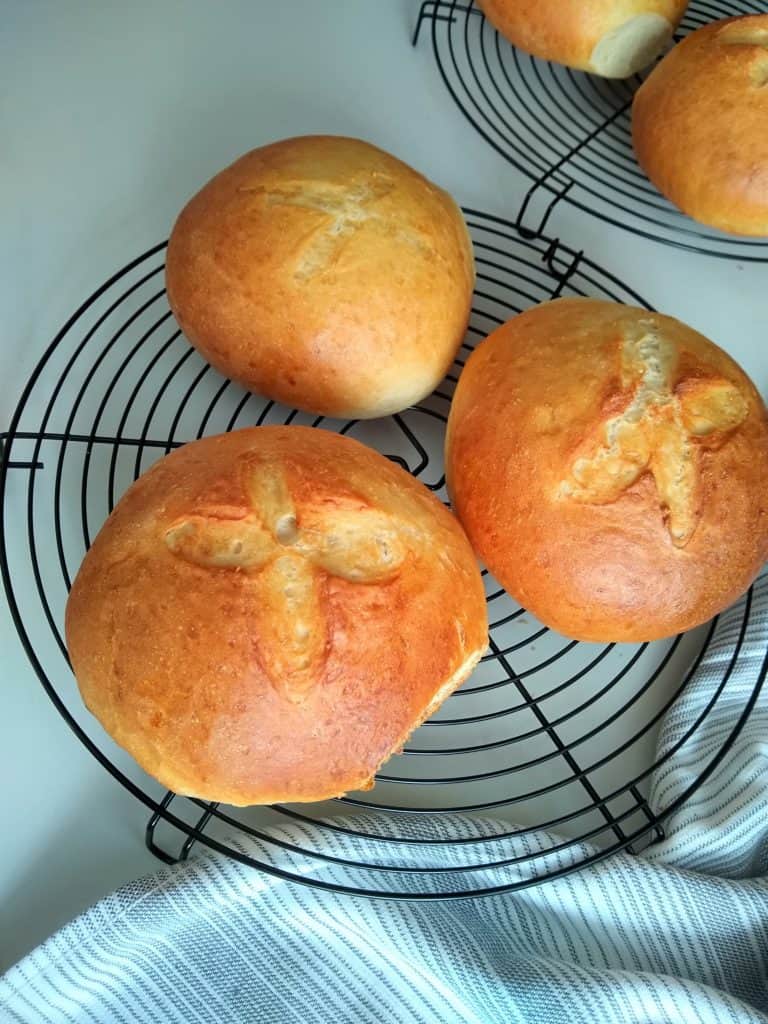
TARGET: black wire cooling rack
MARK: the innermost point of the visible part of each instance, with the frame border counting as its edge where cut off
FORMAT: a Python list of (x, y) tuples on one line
[(540, 764), (569, 132)]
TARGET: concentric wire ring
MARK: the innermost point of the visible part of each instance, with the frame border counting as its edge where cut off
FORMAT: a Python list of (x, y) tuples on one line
[(549, 736)]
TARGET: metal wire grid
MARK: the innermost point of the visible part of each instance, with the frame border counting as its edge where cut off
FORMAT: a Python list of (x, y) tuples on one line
[(568, 131), (550, 734)]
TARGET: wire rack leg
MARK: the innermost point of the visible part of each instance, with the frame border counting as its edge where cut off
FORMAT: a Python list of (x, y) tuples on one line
[(562, 188), (432, 9), (562, 277), (656, 826), (560, 193), (7, 463), (189, 842)]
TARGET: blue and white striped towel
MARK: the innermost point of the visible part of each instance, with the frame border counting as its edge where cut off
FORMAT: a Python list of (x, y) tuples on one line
[(678, 935)]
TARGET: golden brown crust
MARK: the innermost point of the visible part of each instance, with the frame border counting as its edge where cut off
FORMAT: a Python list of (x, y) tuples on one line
[(610, 466), (268, 614), (699, 125), (606, 37), (324, 273)]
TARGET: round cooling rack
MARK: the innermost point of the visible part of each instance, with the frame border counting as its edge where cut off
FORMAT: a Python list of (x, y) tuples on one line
[(540, 764), (568, 131)]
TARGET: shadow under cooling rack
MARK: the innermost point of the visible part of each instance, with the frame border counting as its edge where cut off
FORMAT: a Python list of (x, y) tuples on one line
[(538, 765), (568, 131)]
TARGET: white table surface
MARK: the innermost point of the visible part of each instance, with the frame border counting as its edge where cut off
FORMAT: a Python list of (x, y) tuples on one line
[(111, 115)]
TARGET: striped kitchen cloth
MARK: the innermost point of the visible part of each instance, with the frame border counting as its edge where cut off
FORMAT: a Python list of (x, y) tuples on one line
[(679, 934)]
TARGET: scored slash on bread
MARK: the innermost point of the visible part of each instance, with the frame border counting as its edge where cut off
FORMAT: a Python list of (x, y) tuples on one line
[(345, 210), (348, 209), (285, 554), (657, 431)]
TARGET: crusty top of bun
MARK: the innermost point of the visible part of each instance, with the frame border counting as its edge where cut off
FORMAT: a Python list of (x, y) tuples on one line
[(609, 38), (268, 614), (322, 272), (610, 466), (700, 125)]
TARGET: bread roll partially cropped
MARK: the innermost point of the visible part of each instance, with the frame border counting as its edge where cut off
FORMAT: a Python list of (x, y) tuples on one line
[(610, 38), (268, 614), (326, 274), (700, 125), (610, 466)]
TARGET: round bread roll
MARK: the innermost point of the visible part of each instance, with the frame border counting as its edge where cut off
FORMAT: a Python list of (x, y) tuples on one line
[(326, 274), (700, 125), (610, 466), (268, 614), (611, 38)]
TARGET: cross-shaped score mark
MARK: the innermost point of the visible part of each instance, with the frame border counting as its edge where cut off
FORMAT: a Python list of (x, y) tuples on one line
[(658, 433), (284, 559), (347, 207)]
